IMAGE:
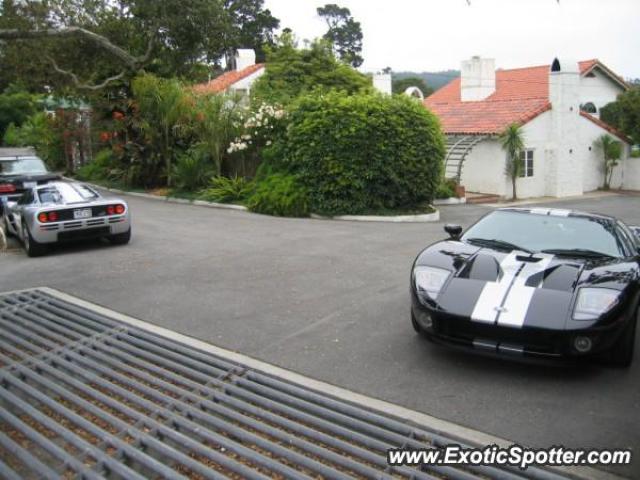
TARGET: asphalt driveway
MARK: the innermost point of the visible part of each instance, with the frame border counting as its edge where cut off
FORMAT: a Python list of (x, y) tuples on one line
[(330, 300)]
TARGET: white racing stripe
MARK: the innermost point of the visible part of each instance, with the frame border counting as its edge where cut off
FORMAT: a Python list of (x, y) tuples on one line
[(514, 309), (493, 293), (507, 300)]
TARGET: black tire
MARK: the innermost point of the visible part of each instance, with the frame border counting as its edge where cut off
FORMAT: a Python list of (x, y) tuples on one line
[(416, 326), (621, 354), (7, 232), (33, 248), (120, 238)]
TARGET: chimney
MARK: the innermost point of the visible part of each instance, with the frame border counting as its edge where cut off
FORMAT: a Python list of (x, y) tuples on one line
[(245, 57), (478, 79), (382, 82), (564, 95)]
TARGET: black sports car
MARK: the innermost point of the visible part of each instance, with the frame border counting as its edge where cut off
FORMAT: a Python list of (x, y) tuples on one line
[(535, 282)]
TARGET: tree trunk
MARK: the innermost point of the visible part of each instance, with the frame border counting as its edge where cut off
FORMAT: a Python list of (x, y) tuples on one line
[(513, 185)]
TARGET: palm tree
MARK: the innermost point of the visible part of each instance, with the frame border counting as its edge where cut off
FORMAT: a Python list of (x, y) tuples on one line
[(512, 141), (216, 123), (166, 110), (611, 153)]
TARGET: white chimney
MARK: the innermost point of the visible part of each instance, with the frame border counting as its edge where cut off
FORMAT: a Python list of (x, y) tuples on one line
[(245, 57), (382, 82), (478, 79), (568, 151)]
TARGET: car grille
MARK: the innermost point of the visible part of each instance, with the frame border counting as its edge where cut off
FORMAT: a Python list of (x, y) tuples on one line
[(532, 340), (86, 233)]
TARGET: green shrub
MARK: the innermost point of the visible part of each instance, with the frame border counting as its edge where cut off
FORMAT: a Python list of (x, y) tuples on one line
[(227, 190), (446, 189), (280, 195), (99, 169), (37, 131), (191, 171), (362, 153)]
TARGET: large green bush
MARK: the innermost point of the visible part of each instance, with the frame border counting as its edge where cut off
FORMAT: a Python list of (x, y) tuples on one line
[(363, 153)]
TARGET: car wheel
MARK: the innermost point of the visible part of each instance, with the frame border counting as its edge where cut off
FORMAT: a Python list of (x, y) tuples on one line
[(121, 238), (416, 326), (7, 231), (33, 248), (621, 354)]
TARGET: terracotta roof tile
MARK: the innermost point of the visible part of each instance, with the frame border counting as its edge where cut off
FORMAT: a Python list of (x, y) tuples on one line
[(607, 127), (224, 81), (521, 95)]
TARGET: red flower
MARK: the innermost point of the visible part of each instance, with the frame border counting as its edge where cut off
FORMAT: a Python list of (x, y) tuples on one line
[(105, 137), (118, 115)]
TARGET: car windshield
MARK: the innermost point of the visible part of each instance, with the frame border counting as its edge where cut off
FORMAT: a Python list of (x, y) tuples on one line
[(23, 166), (66, 193), (538, 232)]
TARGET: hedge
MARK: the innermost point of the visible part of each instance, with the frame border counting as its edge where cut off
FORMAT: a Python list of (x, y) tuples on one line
[(356, 154)]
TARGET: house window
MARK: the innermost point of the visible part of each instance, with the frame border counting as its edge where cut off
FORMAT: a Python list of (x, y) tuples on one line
[(589, 107), (527, 163)]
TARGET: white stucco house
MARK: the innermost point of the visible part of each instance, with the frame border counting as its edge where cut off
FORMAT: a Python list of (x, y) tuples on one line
[(239, 80), (558, 107)]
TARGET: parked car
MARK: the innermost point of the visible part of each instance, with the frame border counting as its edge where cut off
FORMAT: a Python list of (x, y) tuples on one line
[(63, 211), (20, 169), (536, 282)]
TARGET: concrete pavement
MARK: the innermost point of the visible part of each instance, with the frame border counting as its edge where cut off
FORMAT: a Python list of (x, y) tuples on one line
[(330, 300)]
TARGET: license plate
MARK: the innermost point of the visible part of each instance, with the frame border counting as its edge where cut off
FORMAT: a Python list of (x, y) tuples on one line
[(84, 213), (27, 185)]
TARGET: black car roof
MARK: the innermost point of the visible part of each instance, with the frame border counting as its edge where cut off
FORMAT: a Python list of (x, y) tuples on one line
[(558, 212)]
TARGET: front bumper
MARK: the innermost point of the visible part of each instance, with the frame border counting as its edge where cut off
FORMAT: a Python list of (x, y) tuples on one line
[(80, 229), (510, 342)]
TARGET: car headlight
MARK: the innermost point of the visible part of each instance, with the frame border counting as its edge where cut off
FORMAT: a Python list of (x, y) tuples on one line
[(593, 302), (430, 280)]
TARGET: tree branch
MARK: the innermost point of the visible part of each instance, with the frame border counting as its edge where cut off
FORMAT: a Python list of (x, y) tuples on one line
[(15, 34), (124, 56), (85, 86)]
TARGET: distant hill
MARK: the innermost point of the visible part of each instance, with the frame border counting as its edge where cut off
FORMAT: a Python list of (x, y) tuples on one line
[(433, 79)]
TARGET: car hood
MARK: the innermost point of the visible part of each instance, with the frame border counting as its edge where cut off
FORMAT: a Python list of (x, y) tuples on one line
[(515, 288)]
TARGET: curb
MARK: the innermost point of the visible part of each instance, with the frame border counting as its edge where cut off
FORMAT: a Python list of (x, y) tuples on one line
[(427, 217), (539, 201), (457, 431), (180, 201), (450, 201)]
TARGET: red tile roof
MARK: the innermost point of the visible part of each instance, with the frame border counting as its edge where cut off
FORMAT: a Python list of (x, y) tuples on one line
[(224, 81), (607, 127), (521, 95)]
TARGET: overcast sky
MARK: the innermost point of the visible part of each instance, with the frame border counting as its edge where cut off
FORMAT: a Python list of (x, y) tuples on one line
[(430, 35)]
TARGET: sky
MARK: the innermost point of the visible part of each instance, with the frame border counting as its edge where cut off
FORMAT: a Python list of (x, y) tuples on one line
[(434, 35)]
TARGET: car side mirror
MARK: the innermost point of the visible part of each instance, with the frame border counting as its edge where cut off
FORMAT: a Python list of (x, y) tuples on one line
[(454, 231), (636, 230)]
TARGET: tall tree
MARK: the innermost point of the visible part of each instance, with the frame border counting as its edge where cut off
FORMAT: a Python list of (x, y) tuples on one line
[(253, 26), (292, 71), (344, 33), (92, 43), (512, 141), (624, 113), (611, 153)]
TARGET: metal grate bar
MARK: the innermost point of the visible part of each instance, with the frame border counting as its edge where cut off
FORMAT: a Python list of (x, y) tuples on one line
[(126, 403), (22, 454)]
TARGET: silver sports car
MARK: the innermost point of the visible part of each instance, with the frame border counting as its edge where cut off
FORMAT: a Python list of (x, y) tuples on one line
[(61, 211)]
